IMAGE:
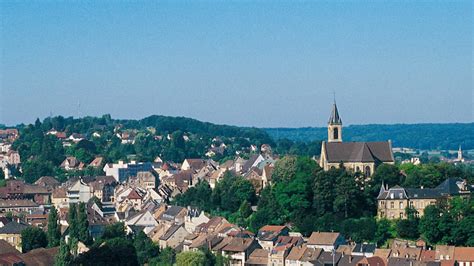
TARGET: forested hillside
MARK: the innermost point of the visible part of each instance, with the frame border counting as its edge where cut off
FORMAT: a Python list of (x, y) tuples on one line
[(418, 136), (45, 144)]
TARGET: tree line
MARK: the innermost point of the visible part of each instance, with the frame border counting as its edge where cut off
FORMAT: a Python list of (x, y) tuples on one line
[(416, 136)]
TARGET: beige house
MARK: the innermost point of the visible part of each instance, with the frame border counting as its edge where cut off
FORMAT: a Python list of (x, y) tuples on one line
[(173, 237), (11, 233), (361, 157), (392, 203)]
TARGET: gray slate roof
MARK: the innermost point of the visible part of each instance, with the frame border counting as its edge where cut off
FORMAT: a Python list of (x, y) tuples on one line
[(448, 188), (358, 152), (13, 228), (334, 118)]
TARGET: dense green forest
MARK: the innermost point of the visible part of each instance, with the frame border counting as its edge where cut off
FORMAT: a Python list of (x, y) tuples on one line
[(417, 136)]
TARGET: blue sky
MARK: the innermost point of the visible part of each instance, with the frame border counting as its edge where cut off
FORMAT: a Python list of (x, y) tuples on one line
[(253, 63)]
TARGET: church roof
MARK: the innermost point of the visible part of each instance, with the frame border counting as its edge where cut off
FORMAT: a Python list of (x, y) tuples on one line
[(334, 118), (358, 152)]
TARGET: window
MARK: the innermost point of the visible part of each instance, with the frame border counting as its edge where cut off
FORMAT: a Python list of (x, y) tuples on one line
[(392, 205), (336, 133), (400, 205), (401, 215), (367, 171)]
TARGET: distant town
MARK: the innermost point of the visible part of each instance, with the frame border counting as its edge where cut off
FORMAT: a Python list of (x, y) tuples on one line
[(166, 191)]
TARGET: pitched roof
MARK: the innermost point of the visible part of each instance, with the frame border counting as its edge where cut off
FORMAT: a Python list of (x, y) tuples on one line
[(323, 238), (97, 161), (304, 253), (14, 203), (327, 258), (382, 252), (428, 255), (13, 228), (270, 232), (334, 118), (11, 259), (238, 244), (364, 248), (464, 254), (47, 181), (423, 193), (5, 248), (258, 257), (349, 260), (196, 164), (171, 212), (406, 252), (358, 152), (40, 256), (171, 231), (134, 195)]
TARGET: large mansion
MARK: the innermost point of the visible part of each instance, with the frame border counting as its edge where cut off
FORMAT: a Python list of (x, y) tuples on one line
[(392, 202)]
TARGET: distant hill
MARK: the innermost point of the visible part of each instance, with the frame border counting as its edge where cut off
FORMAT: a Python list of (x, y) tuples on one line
[(418, 136)]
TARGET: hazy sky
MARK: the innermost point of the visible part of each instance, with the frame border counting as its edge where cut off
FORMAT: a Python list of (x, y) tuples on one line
[(257, 63)]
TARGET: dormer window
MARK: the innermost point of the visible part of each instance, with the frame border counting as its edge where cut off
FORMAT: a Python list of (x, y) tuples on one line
[(392, 195)]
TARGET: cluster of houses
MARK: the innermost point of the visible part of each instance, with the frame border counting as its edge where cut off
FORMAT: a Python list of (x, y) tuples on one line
[(9, 158)]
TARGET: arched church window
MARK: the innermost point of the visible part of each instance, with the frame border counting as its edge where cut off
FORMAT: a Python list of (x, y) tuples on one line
[(336, 133), (367, 171)]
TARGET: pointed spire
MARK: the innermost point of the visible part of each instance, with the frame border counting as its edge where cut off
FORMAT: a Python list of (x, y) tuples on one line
[(382, 190), (334, 118)]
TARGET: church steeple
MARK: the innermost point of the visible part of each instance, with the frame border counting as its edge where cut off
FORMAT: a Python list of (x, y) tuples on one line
[(335, 118), (334, 125), (460, 158)]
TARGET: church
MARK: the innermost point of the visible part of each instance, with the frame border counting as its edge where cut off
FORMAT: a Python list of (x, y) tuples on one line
[(361, 157)]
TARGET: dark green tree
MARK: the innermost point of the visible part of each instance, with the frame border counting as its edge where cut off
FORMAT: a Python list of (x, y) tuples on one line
[(167, 257), (83, 224), (73, 221), (383, 232), (32, 238), (116, 251), (145, 248), (347, 196), (408, 228), (63, 258), (116, 230), (54, 231), (429, 224)]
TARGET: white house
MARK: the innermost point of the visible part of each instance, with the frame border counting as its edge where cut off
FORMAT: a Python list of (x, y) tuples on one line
[(79, 192), (143, 219)]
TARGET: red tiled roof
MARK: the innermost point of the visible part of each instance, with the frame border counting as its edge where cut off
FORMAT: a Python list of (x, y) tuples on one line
[(133, 195), (272, 228), (464, 254)]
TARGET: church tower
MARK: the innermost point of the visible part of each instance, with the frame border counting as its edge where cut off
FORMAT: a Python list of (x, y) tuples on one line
[(460, 158), (334, 125)]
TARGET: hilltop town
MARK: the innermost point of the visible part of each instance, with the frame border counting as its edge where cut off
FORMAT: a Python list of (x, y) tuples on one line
[(161, 191)]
